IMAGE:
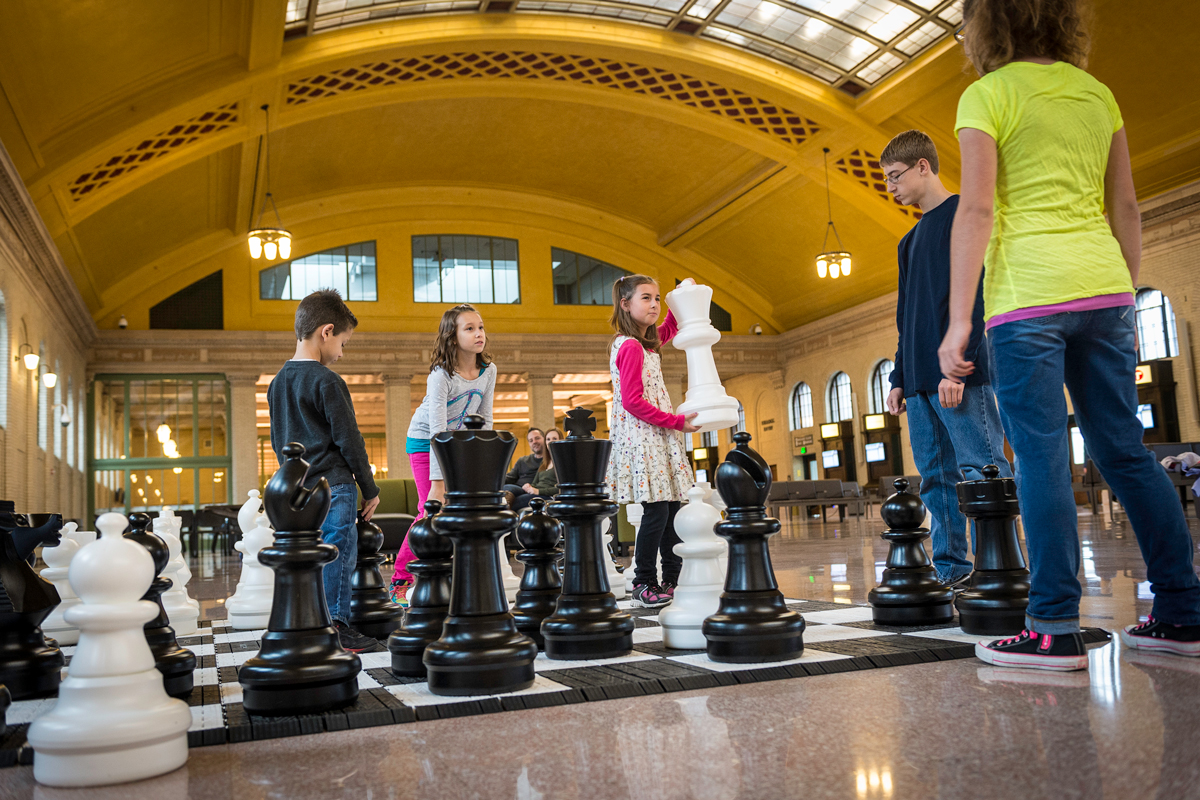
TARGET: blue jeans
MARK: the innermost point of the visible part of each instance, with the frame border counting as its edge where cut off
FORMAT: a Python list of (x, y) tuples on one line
[(340, 530), (1093, 353), (952, 445)]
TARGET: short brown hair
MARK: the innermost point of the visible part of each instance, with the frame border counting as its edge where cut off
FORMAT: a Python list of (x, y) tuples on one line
[(997, 32), (622, 321), (908, 148), (323, 307), (445, 350)]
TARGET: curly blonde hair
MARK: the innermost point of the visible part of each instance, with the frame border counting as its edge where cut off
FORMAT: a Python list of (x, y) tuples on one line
[(998, 32), (445, 350)]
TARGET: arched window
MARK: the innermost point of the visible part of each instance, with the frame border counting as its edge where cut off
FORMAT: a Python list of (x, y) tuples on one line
[(73, 413), (839, 407), (880, 386), (350, 269), (1155, 326), (741, 423), (708, 439), (801, 410), (581, 280), (41, 399), (57, 434)]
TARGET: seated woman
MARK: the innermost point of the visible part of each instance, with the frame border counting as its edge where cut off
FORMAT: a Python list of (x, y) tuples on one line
[(545, 482)]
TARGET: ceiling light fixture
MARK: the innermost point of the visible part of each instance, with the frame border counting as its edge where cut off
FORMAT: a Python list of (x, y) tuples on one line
[(831, 262), (164, 433), (275, 242)]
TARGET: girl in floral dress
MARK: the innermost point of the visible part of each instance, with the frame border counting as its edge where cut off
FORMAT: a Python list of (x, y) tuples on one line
[(649, 464)]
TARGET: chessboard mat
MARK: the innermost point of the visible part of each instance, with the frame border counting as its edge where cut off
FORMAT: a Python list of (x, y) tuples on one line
[(838, 638)]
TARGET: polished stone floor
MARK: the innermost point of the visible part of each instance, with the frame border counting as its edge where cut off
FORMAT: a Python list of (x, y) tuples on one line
[(1129, 727)]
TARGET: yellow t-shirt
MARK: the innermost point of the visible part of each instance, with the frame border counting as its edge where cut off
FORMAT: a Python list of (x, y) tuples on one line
[(1053, 125)]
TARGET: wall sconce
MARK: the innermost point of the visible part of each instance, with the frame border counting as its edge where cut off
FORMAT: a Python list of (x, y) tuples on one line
[(50, 379), (31, 358)]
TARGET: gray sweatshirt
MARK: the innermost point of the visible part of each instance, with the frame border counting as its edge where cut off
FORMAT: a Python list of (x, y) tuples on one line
[(448, 401)]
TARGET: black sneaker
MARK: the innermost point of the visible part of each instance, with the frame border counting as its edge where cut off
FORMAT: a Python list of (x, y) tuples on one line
[(1061, 652), (354, 641), (1161, 637), (958, 584), (647, 595), (668, 588)]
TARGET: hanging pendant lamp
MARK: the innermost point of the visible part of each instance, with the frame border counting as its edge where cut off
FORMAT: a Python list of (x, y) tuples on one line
[(268, 242), (831, 262)]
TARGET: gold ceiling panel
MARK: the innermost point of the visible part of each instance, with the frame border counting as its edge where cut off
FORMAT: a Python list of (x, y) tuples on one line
[(864, 167), (172, 140), (703, 95)]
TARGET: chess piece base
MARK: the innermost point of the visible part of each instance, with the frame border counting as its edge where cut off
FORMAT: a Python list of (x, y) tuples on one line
[(930, 614), (250, 606), (422, 626), (184, 618), (28, 666), (480, 655), (587, 627), (249, 621), (753, 627), (712, 414), (911, 597), (532, 607), (994, 603), (110, 730), (682, 621), (299, 672)]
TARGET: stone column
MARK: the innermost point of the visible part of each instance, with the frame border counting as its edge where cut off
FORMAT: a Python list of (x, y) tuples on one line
[(540, 387), (397, 400), (243, 433)]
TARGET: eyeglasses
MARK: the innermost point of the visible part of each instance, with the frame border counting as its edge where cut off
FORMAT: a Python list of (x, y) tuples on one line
[(958, 35), (894, 179)]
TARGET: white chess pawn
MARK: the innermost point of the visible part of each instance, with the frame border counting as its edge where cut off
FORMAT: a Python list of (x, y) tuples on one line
[(701, 580), (511, 581), (58, 559), (113, 722), (705, 395), (616, 580), (249, 606), (633, 513), (713, 498), (179, 562), (184, 616)]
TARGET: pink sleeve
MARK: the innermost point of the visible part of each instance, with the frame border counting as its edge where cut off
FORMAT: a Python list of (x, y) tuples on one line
[(630, 359), (667, 331)]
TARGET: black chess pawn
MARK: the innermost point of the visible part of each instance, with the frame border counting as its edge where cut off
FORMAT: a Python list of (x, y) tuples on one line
[(5, 702), (429, 597), (372, 611), (752, 623), (541, 584), (177, 664), (586, 623), (30, 666), (994, 602), (480, 650), (909, 593), (301, 667)]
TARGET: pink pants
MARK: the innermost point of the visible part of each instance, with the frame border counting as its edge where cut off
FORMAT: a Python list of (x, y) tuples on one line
[(420, 468)]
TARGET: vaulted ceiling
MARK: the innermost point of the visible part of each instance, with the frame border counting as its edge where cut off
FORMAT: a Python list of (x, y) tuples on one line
[(136, 124)]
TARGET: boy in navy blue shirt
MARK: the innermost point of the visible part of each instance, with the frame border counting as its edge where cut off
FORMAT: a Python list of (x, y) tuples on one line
[(953, 424)]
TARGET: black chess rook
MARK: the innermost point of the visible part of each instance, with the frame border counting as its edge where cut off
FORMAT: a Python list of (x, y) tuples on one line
[(301, 667), (372, 612), (480, 650), (541, 584), (428, 599), (30, 666), (586, 623), (177, 664), (909, 593), (995, 600), (753, 623)]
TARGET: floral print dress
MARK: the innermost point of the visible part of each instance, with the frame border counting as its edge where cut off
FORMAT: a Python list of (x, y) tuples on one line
[(648, 463)]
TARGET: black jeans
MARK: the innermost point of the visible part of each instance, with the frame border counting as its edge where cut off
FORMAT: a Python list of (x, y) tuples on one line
[(657, 534)]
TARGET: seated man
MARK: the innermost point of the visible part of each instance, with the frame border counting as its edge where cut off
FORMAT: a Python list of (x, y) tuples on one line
[(526, 468), (545, 482)]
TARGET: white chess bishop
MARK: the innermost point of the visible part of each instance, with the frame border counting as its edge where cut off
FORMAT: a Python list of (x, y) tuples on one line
[(701, 581), (113, 722), (250, 605), (182, 611), (249, 511), (705, 395), (58, 560)]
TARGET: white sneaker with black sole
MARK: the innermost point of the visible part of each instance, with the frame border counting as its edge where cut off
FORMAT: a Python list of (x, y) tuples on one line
[(1063, 652)]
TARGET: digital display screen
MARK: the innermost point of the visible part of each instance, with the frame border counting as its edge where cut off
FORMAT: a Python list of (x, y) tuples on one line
[(1145, 413), (874, 422), (831, 430), (876, 452), (831, 459)]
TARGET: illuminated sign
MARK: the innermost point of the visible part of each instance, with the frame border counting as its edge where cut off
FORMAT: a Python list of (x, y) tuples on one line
[(700, 453), (1142, 374), (874, 422), (831, 431)]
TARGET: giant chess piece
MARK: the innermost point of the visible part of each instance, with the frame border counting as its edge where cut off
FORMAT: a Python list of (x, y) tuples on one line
[(698, 595), (909, 593), (372, 612), (5, 702), (995, 601), (705, 395), (616, 573), (58, 560), (428, 599), (248, 513), (713, 498), (184, 616), (507, 577), (480, 650), (29, 666), (301, 667), (250, 604), (541, 584), (753, 623), (179, 567), (177, 664), (586, 623), (634, 513), (113, 721)]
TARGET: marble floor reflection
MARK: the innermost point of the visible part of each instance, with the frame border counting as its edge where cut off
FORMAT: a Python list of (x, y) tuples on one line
[(1129, 727)]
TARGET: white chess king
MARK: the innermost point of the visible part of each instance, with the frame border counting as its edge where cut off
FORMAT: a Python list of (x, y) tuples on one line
[(705, 395)]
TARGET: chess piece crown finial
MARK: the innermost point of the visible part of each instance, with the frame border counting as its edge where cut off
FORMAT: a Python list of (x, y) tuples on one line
[(289, 505), (579, 423)]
